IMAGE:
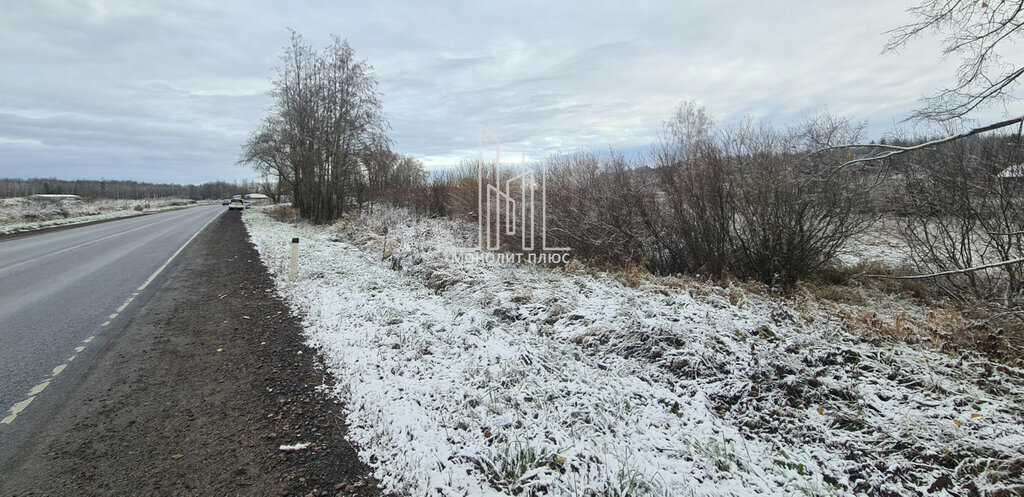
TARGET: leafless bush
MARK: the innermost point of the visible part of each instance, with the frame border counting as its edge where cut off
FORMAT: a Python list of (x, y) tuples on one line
[(747, 200), (462, 192), (691, 216), (752, 200), (431, 198), (596, 206), (794, 211)]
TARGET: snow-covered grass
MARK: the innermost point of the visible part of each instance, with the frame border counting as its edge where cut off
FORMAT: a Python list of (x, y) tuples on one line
[(491, 379), (878, 244), (19, 214)]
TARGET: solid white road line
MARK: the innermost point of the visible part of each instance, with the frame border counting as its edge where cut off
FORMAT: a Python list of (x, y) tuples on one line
[(175, 254), (36, 390)]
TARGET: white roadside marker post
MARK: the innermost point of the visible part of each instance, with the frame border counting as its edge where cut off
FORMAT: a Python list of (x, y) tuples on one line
[(294, 270)]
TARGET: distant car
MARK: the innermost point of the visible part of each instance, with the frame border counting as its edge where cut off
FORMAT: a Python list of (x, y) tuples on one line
[(236, 203), (226, 201)]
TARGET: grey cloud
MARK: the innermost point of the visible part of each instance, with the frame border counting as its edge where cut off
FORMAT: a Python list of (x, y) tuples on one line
[(169, 90)]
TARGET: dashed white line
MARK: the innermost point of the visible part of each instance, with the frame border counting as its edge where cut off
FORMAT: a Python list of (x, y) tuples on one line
[(15, 410), (20, 406), (38, 388)]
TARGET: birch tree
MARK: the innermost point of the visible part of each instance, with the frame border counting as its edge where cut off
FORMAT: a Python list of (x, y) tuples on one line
[(326, 120)]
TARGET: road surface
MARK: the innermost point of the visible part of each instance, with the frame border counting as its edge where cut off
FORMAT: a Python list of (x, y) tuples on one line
[(62, 292), (206, 377)]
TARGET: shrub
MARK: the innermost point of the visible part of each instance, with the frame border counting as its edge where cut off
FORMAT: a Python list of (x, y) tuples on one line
[(751, 200)]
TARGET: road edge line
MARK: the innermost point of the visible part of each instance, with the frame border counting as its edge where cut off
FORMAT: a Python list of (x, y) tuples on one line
[(16, 409)]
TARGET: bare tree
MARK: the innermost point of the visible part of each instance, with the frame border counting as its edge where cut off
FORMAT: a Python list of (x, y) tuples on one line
[(327, 119), (394, 178), (974, 31)]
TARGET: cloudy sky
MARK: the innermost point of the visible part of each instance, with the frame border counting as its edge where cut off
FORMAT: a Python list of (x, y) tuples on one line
[(168, 91)]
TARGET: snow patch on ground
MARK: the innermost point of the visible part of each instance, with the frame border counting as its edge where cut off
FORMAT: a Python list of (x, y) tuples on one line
[(879, 244), (488, 379), (19, 214)]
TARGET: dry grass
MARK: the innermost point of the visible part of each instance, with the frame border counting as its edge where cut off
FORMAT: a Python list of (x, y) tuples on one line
[(284, 214), (911, 311), (907, 311)]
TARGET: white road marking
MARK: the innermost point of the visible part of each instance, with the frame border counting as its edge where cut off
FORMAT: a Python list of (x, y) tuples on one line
[(90, 242), (16, 410), (38, 388), (20, 406), (175, 254)]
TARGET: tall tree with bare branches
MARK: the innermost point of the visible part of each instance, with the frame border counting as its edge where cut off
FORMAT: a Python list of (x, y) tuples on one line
[(327, 120)]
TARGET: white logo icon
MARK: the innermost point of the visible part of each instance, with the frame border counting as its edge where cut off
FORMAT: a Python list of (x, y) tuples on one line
[(498, 204)]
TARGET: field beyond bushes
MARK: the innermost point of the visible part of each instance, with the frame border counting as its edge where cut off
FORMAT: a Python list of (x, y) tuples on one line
[(20, 214)]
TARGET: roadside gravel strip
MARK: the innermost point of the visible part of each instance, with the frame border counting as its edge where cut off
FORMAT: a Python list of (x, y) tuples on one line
[(208, 390)]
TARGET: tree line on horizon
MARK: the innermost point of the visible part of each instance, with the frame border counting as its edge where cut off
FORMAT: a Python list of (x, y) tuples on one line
[(127, 189)]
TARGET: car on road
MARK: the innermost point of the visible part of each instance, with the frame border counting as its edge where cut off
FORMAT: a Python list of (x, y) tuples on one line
[(226, 201), (236, 203)]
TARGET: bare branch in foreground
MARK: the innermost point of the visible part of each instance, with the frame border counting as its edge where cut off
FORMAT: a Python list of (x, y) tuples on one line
[(895, 150), (948, 273)]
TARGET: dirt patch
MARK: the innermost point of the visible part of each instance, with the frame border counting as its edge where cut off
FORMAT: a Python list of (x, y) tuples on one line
[(196, 395)]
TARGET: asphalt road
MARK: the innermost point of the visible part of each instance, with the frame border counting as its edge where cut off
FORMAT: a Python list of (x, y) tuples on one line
[(63, 293), (206, 377)]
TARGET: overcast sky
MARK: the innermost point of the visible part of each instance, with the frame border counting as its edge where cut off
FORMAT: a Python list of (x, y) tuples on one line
[(168, 91)]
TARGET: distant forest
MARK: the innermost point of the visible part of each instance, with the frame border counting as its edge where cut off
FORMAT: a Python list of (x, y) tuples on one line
[(122, 189)]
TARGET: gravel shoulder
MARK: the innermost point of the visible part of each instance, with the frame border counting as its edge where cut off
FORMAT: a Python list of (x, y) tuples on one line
[(207, 380)]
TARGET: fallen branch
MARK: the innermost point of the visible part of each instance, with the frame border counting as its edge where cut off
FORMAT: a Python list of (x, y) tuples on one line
[(947, 273), (1012, 233)]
